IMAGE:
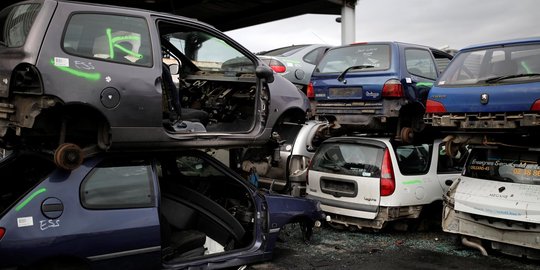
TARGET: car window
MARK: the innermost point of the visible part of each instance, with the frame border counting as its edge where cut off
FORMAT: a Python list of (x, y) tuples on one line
[(338, 59), (348, 159), (420, 63), (521, 63), (313, 56), (504, 165), (16, 22), (414, 159), (116, 184), (451, 164), (17, 177), (206, 51), (115, 38)]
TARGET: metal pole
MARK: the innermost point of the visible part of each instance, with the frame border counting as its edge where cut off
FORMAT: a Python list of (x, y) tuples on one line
[(348, 21)]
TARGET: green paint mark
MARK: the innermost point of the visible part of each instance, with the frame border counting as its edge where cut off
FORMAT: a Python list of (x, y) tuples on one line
[(529, 71), (31, 197), (132, 53), (108, 31), (412, 182), (113, 43), (92, 76), (425, 84)]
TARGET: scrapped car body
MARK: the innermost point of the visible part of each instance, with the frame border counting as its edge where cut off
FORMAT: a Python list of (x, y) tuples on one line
[(377, 86), (170, 210), (288, 175), (295, 63), (366, 182), (489, 87), (80, 78), (495, 201)]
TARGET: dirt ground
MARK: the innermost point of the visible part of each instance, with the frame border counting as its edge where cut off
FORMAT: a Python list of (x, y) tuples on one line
[(343, 249)]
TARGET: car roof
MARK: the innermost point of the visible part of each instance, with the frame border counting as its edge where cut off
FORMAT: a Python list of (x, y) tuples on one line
[(502, 42)]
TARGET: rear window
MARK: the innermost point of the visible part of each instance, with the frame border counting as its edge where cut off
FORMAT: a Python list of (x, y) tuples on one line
[(509, 64), (504, 165), (15, 24), (414, 159), (374, 57), (20, 172), (348, 159)]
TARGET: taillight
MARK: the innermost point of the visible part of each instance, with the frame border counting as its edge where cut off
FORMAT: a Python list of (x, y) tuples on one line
[(435, 107), (388, 181), (277, 66), (536, 105), (310, 93), (2, 232), (26, 80), (392, 88)]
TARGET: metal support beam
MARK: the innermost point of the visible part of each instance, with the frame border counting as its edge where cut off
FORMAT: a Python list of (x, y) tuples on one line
[(348, 22)]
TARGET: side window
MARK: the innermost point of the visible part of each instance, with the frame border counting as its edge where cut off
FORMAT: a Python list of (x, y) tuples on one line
[(313, 56), (113, 38), (414, 159), (204, 50), (115, 185), (420, 63), (448, 164), (16, 22)]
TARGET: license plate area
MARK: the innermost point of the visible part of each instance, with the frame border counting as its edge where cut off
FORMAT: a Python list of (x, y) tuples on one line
[(345, 92), (339, 187)]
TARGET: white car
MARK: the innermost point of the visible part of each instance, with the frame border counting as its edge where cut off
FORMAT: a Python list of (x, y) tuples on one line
[(365, 182), (497, 201)]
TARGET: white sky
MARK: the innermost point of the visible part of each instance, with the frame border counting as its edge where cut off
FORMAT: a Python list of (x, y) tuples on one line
[(436, 23)]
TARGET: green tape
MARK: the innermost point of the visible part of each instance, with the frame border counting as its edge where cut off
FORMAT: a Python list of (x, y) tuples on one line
[(30, 198), (412, 182), (92, 76)]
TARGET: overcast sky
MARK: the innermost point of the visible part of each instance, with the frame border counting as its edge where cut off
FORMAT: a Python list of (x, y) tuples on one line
[(436, 23)]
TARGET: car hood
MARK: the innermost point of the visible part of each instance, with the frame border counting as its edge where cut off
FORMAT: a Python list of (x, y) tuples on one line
[(500, 97), (510, 201)]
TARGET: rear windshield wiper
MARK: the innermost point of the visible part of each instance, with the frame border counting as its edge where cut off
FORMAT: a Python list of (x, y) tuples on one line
[(505, 77), (341, 76)]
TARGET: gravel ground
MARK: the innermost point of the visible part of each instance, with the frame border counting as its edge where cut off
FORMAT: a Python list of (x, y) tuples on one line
[(342, 249)]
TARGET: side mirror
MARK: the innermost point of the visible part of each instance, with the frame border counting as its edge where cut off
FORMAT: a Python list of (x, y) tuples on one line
[(265, 72), (174, 68)]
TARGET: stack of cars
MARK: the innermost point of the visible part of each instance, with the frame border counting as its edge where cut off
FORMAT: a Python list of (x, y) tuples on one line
[(98, 172)]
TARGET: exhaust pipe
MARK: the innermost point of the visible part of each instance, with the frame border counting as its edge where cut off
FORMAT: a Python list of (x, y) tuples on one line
[(471, 244)]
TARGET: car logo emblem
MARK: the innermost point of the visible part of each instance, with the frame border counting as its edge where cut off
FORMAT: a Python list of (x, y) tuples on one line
[(484, 98)]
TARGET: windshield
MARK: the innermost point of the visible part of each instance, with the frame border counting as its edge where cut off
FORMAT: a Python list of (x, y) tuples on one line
[(337, 60), (15, 24), (515, 165), (509, 64)]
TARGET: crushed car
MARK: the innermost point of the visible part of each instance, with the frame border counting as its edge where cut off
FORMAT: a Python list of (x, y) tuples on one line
[(370, 182), (139, 210), (376, 86), (494, 205), (80, 78)]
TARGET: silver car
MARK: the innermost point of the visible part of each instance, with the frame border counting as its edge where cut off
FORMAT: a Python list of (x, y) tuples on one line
[(295, 63)]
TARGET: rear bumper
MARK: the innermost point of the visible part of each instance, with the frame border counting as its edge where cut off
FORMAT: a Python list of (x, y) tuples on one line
[(483, 120), (503, 231)]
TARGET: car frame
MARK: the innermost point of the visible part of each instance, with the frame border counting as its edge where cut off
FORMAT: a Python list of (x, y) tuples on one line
[(139, 210), (75, 93)]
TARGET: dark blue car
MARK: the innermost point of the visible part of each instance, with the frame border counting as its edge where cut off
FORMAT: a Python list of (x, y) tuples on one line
[(138, 211), (379, 86), (489, 87)]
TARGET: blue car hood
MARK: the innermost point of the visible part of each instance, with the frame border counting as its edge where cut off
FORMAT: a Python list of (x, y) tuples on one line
[(501, 97)]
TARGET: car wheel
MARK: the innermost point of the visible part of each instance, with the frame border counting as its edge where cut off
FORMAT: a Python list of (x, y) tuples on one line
[(68, 156), (407, 135)]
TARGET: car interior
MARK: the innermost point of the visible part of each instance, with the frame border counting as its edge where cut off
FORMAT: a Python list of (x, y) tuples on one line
[(203, 211)]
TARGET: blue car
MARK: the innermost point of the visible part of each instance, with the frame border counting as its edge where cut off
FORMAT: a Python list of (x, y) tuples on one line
[(170, 210), (379, 86), (489, 87)]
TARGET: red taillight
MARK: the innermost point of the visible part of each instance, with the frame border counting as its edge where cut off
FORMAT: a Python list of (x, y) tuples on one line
[(2, 232), (388, 182), (392, 88), (435, 107), (536, 106), (277, 66), (310, 93)]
